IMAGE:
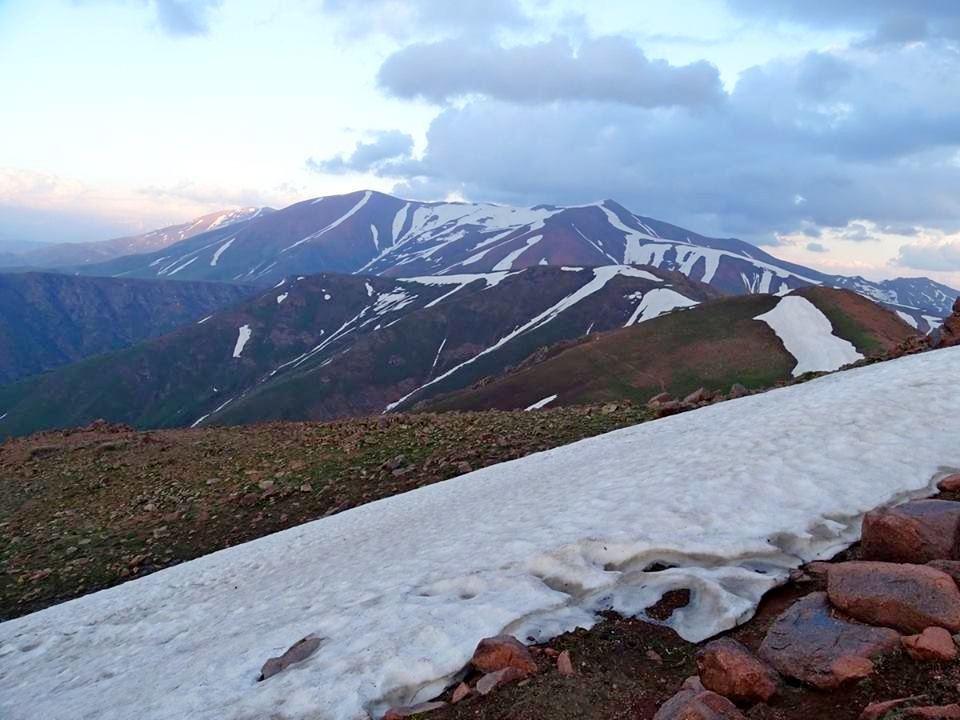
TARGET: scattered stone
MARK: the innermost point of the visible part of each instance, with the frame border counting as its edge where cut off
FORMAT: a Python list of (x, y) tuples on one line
[(397, 462), (697, 396), (500, 652), (462, 692), (410, 711), (660, 398), (464, 467), (609, 408), (950, 484), (738, 391), (149, 507), (915, 532), (306, 488), (878, 710), (298, 652), (692, 704), (493, 680), (654, 656), (729, 668), (265, 484), (814, 644), (932, 645), (907, 597), (565, 665)]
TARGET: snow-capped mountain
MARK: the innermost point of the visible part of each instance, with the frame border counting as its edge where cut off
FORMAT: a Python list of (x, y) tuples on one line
[(61, 255), (373, 233), (328, 346)]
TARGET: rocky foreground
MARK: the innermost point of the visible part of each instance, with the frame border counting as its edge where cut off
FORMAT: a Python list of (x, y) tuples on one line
[(872, 635)]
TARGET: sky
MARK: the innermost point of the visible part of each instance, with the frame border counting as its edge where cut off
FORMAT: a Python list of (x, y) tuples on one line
[(827, 131)]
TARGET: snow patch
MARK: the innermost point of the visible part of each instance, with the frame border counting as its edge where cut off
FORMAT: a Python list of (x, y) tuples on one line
[(657, 302), (281, 297), (243, 336), (808, 335), (541, 403), (220, 250), (908, 319)]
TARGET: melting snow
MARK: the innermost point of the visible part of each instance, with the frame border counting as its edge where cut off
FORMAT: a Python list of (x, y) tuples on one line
[(541, 403), (908, 319), (513, 256), (201, 322), (656, 302), (336, 223), (220, 250), (243, 337), (808, 335), (526, 547), (369, 289), (281, 297)]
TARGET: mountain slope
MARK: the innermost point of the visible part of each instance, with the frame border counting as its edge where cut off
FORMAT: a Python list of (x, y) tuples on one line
[(331, 346), (62, 255), (49, 320), (400, 591), (372, 233), (713, 345)]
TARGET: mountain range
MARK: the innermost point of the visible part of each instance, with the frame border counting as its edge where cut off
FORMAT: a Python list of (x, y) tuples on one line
[(376, 234), (64, 255)]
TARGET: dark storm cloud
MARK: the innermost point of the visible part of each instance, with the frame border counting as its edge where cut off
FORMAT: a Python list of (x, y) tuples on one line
[(391, 145), (820, 140), (610, 69)]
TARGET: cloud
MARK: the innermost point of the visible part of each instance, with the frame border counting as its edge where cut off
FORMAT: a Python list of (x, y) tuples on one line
[(180, 18), (817, 247), (856, 134), (612, 69), (386, 146), (402, 18), (185, 17), (943, 256), (883, 21)]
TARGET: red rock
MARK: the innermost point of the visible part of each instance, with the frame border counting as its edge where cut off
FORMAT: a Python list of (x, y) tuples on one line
[(410, 711), (462, 692), (493, 680), (692, 704), (950, 484), (915, 532), (660, 398), (813, 643), (956, 306), (729, 668), (940, 712), (299, 651), (697, 396), (950, 567), (932, 645), (564, 664), (877, 710), (907, 597), (500, 652)]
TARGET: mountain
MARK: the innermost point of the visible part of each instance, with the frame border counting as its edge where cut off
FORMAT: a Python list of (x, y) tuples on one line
[(372, 233), (62, 255), (49, 320), (329, 346), (756, 340)]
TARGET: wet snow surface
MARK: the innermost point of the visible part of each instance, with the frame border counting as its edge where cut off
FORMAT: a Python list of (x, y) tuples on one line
[(808, 335), (403, 588)]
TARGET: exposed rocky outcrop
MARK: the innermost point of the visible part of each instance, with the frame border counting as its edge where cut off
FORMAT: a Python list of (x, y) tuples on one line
[(915, 532)]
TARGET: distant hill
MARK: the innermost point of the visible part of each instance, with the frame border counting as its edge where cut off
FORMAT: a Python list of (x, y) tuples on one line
[(376, 234), (65, 255), (712, 345), (49, 320), (330, 346)]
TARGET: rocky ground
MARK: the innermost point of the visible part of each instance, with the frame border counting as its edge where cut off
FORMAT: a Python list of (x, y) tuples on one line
[(86, 509), (842, 640)]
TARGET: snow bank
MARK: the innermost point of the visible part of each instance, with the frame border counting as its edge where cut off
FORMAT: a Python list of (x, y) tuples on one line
[(403, 588), (808, 335), (243, 337), (657, 302)]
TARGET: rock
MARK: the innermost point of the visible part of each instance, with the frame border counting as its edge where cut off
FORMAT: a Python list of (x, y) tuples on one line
[(738, 391), (915, 532), (609, 408), (877, 710), (306, 488), (298, 652), (812, 643), (660, 398), (565, 665), (410, 711), (397, 462), (500, 652), (907, 597), (464, 467), (462, 692), (932, 645), (654, 656), (697, 396), (956, 306), (729, 668), (265, 484), (490, 681), (692, 704), (950, 484), (950, 567), (149, 507)]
